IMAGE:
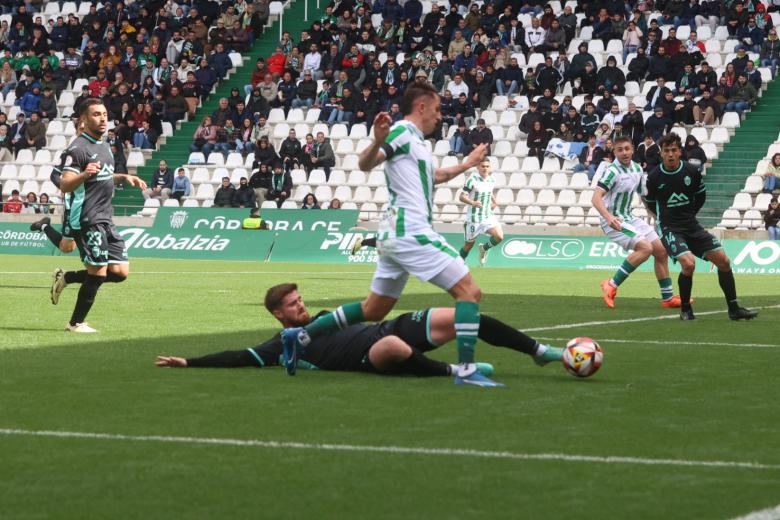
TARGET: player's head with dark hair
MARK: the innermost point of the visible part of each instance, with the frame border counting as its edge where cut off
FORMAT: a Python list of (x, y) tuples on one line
[(624, 149), (671, 151), (93, 117), (286, 305)]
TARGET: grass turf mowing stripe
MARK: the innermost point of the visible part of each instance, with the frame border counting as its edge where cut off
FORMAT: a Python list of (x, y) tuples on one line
[(631, 320), (394, 450), (693, 343), (772, 513)]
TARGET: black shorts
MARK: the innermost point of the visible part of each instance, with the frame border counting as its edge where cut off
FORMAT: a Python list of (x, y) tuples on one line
[(100, 244), (694, 239), (412, 328)]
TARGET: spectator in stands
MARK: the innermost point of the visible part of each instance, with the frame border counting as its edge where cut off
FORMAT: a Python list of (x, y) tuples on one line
[(306, 91), (770, 51), (658, 65), (205, 137), (175, 106), (321, 156), (34, 132), (281, 185), (648, 154), (657, 92), (537, 141), (260, 181), (509, 79), (772, 219), (7, 78), (145, 138), (310, 202), (693, 153), (44, 205), (181, 187), (207, 77), (753, 76), (244, 196), (13, 204), (6, 153), (633, 124), (632, 39), (481, 135), (771, 174), (31, 100), (589, 157), (334, 204), (709, 14), (48, 105), (366, 107), (459, 141), (750, 35), (224, 196), (534, 36), (290, 152), (706, 110), (457, 86), (244, 144), (743, 95), (658, 124), (162, 183), (31, 203), (464, 110)]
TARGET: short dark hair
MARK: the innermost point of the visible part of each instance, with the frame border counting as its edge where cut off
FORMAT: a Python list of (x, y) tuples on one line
[(623, 139), (89, 102), (415, 92), (670, 139), (275, 295)]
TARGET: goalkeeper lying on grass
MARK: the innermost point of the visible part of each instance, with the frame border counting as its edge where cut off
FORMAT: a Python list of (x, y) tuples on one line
[(396, 346)]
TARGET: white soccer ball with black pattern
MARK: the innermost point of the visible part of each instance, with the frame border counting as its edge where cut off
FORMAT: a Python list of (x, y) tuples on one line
[(582, 357)]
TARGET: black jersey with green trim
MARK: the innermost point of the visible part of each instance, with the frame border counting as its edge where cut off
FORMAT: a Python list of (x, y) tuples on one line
[(673, 195), (90, 203)]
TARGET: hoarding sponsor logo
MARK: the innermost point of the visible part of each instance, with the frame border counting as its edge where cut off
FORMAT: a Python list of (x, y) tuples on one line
[(544, 248)]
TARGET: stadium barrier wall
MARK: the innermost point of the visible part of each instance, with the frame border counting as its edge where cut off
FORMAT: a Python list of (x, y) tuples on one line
[(327, 236)]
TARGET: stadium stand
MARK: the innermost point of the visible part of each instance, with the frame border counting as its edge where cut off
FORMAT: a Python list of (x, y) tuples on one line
[(512, 65)]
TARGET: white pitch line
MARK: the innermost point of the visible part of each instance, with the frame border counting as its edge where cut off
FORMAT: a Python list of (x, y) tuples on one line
[(630, 320), (694, 343), (772, 513), (393, 450)]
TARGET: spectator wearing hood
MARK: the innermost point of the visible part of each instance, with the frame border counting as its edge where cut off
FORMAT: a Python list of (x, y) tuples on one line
[(693, 153), (31, 100)]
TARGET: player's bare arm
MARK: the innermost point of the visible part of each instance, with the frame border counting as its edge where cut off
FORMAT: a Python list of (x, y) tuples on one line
[(170, 362), (373, 156), (132, 180), (71, 181), (464, 198), (473, 159), (598, 203)]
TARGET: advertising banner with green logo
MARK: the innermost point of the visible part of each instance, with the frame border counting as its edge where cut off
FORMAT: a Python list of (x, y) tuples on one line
[(325, 237)]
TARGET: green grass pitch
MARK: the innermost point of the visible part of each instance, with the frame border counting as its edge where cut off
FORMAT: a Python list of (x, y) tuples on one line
[(680, 391)]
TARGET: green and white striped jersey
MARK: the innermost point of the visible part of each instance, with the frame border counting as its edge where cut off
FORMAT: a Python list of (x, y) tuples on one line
[(481, 190), (621, 183), (409, 173)]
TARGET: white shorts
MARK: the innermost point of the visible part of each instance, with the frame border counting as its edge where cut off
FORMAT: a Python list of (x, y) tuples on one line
[(472, 230), (427, 256), (633, 231)]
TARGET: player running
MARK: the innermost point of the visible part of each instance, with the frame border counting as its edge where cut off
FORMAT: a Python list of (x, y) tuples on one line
[(406, 241), (612, 199), (88, 178), (396, 346), (480, 220), (675, 194)]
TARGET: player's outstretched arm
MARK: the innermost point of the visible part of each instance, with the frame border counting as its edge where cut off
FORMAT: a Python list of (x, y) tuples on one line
[(170, 362), (132, 180), (473, 159), (373, 156)]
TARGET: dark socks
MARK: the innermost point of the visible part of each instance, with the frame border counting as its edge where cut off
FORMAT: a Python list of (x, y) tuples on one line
[(499, 334), (86, 298), (685, 284), (369, 242), (115, 278), (419, 365), (75, 276), (52, 234), (729, 288)]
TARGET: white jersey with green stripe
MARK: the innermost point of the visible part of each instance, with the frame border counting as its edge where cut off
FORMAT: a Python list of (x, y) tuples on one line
[(621, 182), (409, 172), (480, 189)]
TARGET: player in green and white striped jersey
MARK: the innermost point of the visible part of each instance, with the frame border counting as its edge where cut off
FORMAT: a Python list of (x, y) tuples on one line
[(480, 219), (612, 199), (406, 240)]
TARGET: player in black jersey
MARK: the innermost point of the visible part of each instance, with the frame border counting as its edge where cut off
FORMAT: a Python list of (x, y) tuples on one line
[(675, 194), (87, 179), (392, 347)]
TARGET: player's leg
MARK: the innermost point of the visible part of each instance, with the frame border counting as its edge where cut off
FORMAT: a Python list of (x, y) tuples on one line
[(685, 283), (496, 236), (728, 285), (363, 242), (392, 355), (661, 267), (441, 329), (118, 262), (466, 249), (642, 249), (93, 246)]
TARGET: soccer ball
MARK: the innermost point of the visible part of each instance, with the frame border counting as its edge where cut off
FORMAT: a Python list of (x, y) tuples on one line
[(582, 357)]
